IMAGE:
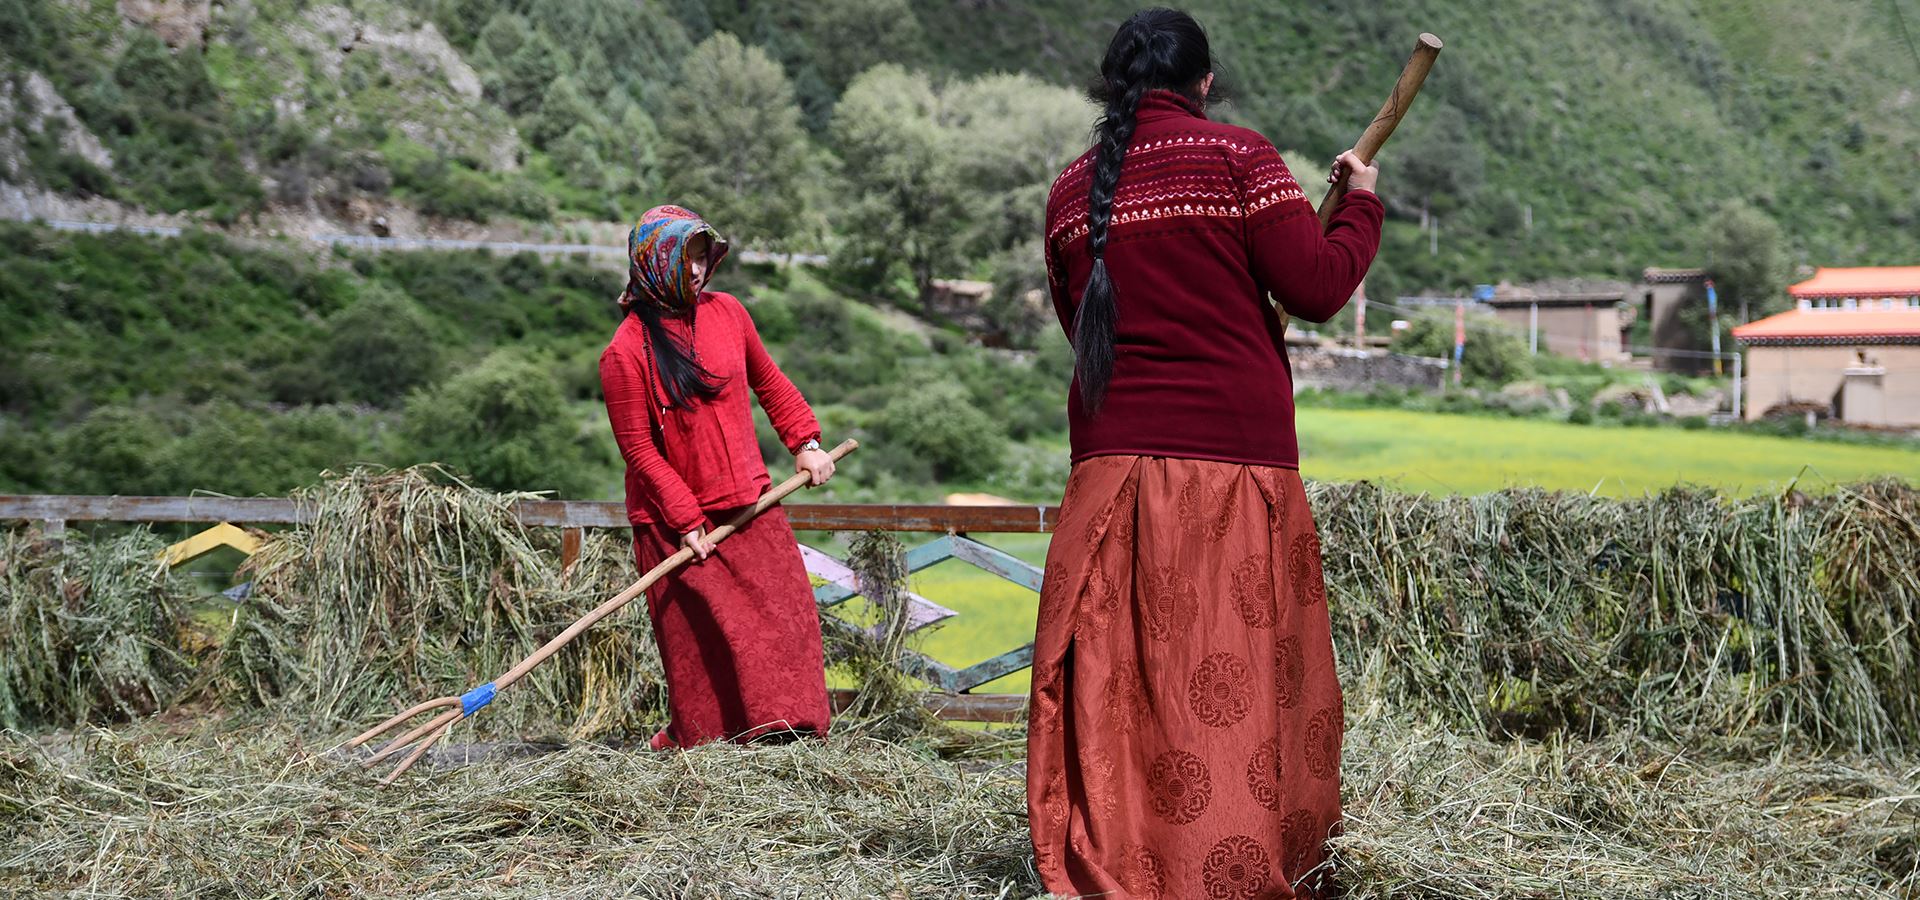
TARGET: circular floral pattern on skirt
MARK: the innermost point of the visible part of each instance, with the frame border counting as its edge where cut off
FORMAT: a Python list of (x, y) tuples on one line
[(1126, 700), (1141, 872), (1179, 787), (1279, 499), (1252, 591), (1100, 778), (1237, 868), (1266, 773), (1173, 602), (1220, 692), (1207, 511), (1323, 743), (1301, 839), (1100, 603), (1289, 671), (1118, 519), (1303, 565), (1046, 712), (1053, 825)]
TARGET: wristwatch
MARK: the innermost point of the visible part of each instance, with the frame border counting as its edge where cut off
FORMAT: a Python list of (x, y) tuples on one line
[(811, 444)]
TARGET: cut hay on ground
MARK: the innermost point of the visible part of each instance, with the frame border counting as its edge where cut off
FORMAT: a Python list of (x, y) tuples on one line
[(251, 810), (1550, 696)]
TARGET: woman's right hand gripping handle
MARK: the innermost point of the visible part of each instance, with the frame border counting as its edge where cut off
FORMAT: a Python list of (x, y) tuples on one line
[(696, 540)]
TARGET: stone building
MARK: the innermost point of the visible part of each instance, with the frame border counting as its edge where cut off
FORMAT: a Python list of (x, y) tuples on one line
[(1661, 296), (1849, 347), (1586, 320)]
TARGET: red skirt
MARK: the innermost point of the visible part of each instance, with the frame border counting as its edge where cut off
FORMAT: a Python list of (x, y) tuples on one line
[(739, 634), (1185, 726)]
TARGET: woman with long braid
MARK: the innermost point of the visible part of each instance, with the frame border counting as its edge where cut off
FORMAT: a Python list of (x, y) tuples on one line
[(1185, 725)]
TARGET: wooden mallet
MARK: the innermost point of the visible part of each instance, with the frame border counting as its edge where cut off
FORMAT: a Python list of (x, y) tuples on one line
[(1425, 51)]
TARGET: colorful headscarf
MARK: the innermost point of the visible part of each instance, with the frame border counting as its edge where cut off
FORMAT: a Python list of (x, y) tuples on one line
[(657, 259)]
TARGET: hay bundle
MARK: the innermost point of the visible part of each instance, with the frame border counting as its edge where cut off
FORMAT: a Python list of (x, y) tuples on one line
[(406, 586), (90, 628), (215, 810), (1432, 815), (1676, 616)]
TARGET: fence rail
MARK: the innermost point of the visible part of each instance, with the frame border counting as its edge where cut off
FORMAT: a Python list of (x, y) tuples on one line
[(953, 698), (212, 508)]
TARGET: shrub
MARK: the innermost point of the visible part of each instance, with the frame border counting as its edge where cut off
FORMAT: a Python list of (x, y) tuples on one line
[(380, 348), (505, 423), (937, 422)]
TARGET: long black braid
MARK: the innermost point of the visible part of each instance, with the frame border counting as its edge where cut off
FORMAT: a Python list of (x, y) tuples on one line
[(1154, 49)]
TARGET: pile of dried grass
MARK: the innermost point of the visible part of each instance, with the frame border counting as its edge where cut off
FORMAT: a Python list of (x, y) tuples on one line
[(91, 629), (250, 810), (1431, 814), (1685, 615), (407, 586)]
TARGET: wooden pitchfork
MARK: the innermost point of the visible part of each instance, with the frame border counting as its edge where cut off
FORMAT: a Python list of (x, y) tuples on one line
[(1412, 76), (423, 737)]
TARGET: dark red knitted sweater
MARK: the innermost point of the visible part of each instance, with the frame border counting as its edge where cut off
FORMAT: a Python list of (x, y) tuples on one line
[(1206, 222)]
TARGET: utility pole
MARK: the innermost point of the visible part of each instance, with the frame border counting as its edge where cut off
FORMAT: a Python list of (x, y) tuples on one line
[(1533, 329), (1360, 316), (1713, 324), (1459, 338), (1739, 415)]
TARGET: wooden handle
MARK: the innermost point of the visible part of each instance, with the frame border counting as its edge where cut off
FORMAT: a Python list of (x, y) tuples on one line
[(1412, 76), (678, 559), (1425, 51)]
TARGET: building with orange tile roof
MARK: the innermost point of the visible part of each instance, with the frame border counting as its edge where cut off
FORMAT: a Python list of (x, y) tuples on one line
[(1851, 344)]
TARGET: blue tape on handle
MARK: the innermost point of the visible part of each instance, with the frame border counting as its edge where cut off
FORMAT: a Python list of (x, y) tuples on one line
[(474, 700)]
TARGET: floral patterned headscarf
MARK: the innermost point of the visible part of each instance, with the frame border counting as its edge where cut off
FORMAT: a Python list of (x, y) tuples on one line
[(657, 259)]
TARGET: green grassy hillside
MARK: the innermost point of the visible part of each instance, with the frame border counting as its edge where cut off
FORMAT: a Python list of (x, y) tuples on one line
[(1625, 127)]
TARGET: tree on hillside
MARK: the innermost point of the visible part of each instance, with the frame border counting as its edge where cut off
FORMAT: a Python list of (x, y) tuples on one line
[(905, 205), (1438, 167), (505, 423), (523, 76), (1018, 133), (1747, 257), (380, 348), (732, 147), (562, 107), (847, 37)]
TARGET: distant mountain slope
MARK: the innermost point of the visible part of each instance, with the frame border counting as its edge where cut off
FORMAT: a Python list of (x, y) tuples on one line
[(1623, 123), (1553, 138)]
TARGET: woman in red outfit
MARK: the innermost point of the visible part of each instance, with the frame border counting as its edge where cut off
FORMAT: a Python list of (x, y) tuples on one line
[(1185, 725), (738, 631)]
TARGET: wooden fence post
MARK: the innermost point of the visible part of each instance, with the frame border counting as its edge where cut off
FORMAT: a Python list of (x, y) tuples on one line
[(569, 548)]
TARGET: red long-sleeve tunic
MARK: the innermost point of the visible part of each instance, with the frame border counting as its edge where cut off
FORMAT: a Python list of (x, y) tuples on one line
[(1206, 221), (738, 633), (711, 459)]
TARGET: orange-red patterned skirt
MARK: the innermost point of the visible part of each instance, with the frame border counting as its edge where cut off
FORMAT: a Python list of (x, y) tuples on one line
[(1185, 727)]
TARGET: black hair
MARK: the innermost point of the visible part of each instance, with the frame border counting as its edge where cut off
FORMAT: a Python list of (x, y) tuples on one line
[(680, 373), (1154, 49)]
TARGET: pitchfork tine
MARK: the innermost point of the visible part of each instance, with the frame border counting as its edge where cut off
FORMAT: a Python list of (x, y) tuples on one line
[(400, 743), (376, 730), (421, 750)]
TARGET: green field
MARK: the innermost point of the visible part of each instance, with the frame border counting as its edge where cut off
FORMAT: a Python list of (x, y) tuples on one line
[(1450, 454), (1439, 453)]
